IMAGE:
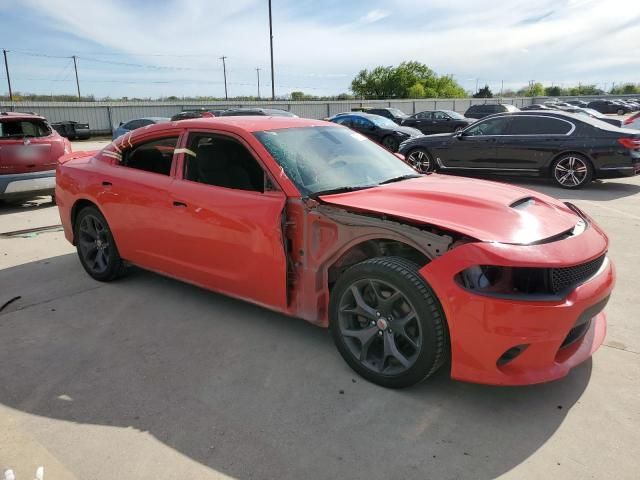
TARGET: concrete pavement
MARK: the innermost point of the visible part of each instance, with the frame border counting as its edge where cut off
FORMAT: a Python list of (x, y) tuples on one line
[(150, 378)]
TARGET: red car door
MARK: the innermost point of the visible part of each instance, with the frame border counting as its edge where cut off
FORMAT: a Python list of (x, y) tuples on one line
[(227, 227), (135, 199)]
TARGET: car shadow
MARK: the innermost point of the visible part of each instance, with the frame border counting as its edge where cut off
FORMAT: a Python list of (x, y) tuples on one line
[(246, 391), (599, 190), (24, 205)]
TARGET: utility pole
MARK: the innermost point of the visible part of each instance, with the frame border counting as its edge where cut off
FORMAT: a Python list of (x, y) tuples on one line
[(501, 87), (6, 67), (273, 87), (477, 80), (75, 67), (258, 72), (224, 69)]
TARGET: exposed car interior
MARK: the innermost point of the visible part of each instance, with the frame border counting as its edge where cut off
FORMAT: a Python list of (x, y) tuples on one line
[(152, 157), (222, 162)]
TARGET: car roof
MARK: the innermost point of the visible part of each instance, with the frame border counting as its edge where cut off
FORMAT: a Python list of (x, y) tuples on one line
[(247, 123), (18, 115), (360, 114)]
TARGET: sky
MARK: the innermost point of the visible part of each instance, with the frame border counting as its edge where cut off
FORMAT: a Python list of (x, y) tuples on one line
[(148, 48)]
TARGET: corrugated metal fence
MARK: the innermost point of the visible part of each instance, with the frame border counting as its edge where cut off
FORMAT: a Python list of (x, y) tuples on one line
[(102, 117)]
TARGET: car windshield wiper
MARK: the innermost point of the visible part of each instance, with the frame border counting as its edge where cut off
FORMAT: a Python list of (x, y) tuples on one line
[(340, 190), (400, 178)]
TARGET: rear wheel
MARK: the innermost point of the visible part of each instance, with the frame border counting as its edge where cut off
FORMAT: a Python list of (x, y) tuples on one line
[(620, 111), (572, 171), (96, 247), (390, 143), (387, 323), (420, 159)]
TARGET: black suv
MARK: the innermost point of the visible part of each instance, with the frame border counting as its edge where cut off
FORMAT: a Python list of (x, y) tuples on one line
[(481, 111), (272, 112), (607, 106), (391, 113)]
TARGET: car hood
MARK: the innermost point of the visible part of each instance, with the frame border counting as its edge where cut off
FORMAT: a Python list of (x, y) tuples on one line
[(414, 132), (484, 210)]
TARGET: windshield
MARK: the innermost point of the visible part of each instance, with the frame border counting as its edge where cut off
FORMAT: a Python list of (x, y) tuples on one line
[(320, 159), (398, 113), (24, 128), (453, 114), (593, 112), (383, 122)]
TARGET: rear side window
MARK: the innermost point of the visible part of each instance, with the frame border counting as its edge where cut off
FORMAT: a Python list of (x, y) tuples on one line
[(346, 121), (24, 128), (154, 157), (133, 124), (423, 115), (531, 125)]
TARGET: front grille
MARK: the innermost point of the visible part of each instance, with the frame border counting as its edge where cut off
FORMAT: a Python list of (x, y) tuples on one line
[(567, 277)]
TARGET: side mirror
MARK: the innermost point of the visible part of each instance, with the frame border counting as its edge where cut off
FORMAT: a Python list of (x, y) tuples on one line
[(400, 156), (120, 124)]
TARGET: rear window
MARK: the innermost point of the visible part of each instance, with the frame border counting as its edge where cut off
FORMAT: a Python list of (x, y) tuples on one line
[(24, 128), (533, 125)]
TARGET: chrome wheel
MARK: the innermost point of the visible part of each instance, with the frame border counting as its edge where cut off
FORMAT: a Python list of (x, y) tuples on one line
[(419, 159), (94, 245), (571, 171), (380, 327)]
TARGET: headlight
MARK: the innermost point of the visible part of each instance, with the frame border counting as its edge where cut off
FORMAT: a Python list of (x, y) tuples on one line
[(506, 281), (401, 134)]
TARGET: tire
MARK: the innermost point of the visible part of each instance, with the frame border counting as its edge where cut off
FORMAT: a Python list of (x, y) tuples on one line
[(96, 246), (420, 159), (53, 199), (620, 111), (572, 171), (393, 344), (390, 143)]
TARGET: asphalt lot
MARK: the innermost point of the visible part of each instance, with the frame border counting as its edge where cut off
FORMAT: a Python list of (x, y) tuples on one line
[(151, 378)]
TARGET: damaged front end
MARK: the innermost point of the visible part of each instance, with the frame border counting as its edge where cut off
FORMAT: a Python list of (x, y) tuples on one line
[(322, 241)]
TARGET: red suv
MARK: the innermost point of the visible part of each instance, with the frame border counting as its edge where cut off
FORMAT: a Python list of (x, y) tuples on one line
[(29, 151)]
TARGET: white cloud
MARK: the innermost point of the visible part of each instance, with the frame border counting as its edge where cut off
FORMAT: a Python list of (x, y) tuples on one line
[(515, 41)]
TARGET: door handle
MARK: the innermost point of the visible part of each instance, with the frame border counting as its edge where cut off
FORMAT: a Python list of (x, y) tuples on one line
[(106, 184), (179, 204)]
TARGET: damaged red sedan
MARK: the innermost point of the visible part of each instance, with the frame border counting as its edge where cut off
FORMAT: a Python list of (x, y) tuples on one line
[(311, 219)]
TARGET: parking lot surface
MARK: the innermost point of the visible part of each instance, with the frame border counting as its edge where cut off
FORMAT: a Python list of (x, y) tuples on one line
[(148, 377)]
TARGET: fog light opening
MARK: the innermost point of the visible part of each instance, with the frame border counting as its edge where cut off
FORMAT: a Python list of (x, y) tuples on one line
[(511, 354)]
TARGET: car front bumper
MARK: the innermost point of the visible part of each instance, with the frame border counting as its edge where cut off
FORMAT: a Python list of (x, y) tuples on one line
[(558, 334), (20, 185)]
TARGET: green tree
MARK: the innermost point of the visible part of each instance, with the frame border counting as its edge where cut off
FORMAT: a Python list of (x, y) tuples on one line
[(554, 91), (401, 81), (484, 92), (297, 95), (626, 89), (416, 90)]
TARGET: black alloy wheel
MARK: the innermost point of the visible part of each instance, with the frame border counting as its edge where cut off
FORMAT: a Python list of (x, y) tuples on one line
[(387, 323), (572, 171), (96, 247), (420, 159)]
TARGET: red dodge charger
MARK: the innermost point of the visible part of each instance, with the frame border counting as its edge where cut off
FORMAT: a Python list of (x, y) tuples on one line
[(313, 220)]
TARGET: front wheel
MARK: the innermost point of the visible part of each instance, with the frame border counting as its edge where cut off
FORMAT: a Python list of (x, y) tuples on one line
[(96, 247), (572, 171), (387, 323), (390, 143), (620, 111), (420, 159)]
